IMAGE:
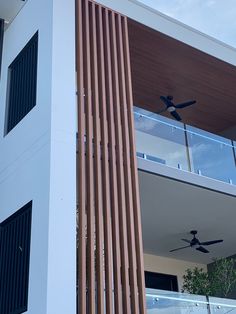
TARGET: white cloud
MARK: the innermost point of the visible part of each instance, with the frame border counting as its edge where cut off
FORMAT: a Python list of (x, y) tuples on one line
[(213, 17)]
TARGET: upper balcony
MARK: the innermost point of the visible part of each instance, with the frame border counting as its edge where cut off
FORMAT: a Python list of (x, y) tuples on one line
[(200, 157), (201, 150)]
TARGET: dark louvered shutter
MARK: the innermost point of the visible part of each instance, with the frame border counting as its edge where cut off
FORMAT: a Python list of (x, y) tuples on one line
[(15, 234), (1, 41), (22, 83)]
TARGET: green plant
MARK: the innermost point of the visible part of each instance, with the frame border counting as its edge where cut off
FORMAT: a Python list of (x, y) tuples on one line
[(222, 276), (196, 281), (219, 281)]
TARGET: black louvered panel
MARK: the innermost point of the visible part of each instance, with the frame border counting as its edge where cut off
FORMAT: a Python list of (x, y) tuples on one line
[(22, 83), (15, 234), (1, 41)]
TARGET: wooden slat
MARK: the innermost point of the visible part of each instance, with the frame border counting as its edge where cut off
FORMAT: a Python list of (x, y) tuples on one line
[(113, 168), (89, 165), (105, 168), (134, 173), (108, 192), (120, 170), (127, 170), (81, 231), (97, 168)]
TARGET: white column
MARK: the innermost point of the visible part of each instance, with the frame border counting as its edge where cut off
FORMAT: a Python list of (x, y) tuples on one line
[(61, 297)]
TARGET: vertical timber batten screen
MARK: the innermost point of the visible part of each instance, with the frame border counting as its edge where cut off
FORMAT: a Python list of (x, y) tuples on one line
[(110, 254)]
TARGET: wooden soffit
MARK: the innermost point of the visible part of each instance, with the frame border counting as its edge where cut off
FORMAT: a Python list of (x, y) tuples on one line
[(162, 65)]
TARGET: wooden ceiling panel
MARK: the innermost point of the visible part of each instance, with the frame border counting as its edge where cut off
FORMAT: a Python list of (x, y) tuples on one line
[(162, 65)]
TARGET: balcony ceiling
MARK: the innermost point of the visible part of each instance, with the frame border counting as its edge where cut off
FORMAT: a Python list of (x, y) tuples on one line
[(170, 209), (162, 65), (10, 8)]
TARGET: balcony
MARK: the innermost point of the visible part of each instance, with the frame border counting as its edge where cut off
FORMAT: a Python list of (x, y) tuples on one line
[(187, 180), (168, 302), (9, 9), (187, 176), (176, 145)]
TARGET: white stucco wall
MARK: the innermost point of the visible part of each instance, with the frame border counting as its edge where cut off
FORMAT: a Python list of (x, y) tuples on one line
[(25, 151), (62, 208), (37, 158), (170, 266)]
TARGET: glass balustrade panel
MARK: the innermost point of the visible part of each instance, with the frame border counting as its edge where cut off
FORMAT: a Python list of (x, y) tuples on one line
[(211, 155), (159, 141), (168, 302), (222, 306)]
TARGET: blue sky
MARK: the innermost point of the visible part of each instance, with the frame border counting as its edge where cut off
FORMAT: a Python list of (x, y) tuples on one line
[(216, 18)]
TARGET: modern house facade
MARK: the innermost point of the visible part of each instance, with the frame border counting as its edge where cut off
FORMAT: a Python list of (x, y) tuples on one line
[(97, 183)]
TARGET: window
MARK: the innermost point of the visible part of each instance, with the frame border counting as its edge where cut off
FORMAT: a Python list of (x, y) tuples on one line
[(15, 234), (22, 84), (161, 281)]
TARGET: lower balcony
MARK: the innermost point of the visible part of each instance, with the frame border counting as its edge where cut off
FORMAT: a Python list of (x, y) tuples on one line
[(171, 208)]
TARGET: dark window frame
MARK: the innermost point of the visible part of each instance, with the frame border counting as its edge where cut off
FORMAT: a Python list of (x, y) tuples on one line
[(22, 84), (15, 243), (1, 42), (172, 278)]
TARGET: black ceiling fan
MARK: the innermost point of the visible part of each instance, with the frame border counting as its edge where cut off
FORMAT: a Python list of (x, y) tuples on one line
[(171, 107), (195, 243)]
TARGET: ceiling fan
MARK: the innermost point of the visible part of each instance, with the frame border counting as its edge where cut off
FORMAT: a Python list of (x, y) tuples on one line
[(171, 107), (195, 243)]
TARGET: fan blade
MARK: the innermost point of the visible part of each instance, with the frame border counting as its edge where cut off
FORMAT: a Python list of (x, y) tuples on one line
[(202, 249), (186, 240), (180, 248), (211, 242), (176, 115), (185, 104), (167, 102)]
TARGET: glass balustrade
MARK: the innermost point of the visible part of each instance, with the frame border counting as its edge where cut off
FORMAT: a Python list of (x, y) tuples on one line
[(168, 302), (222, 306), (211, 155), (174, 144), (160, 141)]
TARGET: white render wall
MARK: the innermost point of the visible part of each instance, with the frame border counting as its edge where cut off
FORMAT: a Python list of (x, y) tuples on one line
[(62, 208), (37, 158), (170, 266), (169, 26)]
